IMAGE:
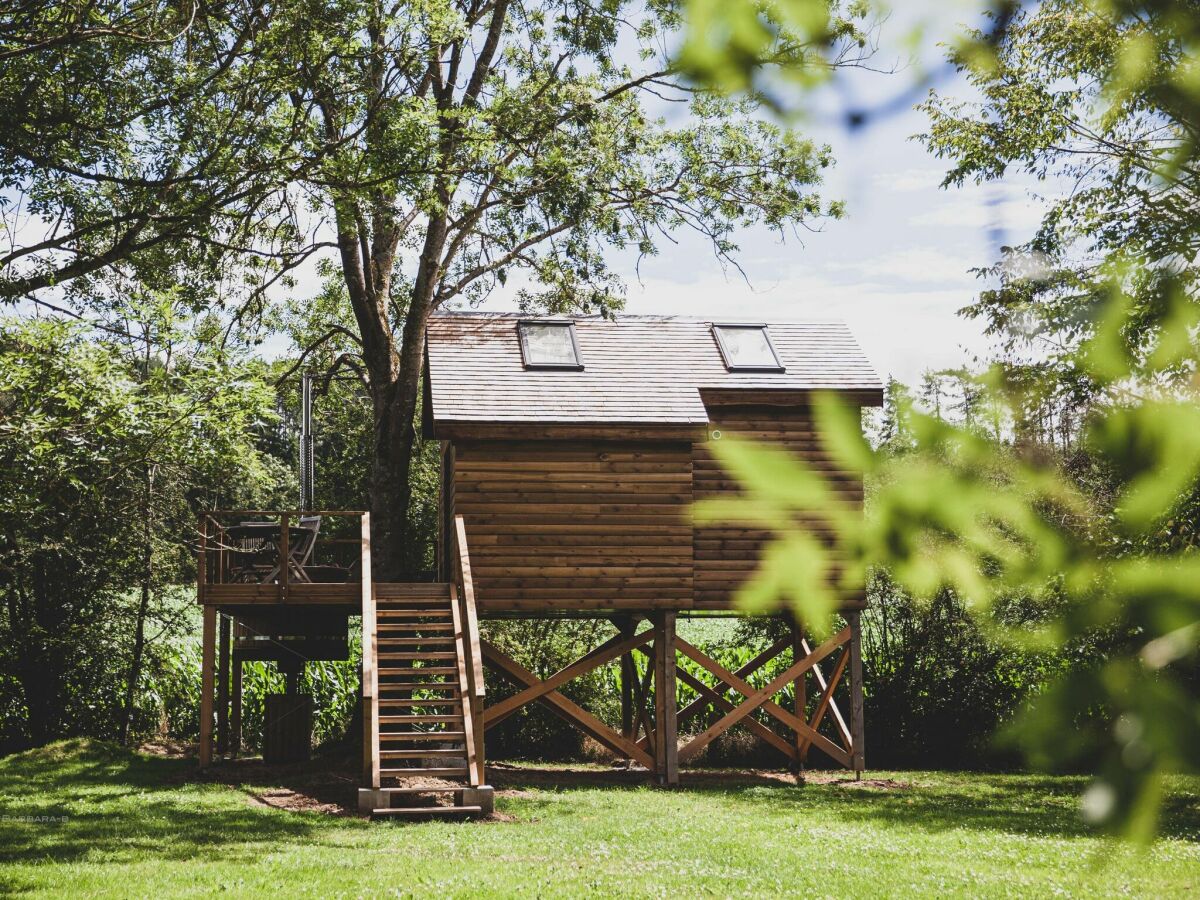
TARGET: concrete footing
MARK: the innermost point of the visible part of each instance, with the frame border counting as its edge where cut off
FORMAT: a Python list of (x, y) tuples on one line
[(482, 796), (370, 799)]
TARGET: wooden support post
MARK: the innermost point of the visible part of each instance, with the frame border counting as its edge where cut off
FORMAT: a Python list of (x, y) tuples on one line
[(628, 683), (666, 730), (285, 559), (641, 704), (799, 692), (223, 686), (235, 713), (208, 646), (856, 691)]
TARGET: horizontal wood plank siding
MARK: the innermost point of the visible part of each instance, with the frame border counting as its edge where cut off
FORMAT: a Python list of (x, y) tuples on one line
[(573, 525), (726, 556)]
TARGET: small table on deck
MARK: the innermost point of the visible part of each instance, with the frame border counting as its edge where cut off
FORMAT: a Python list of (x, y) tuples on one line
[(267, 536)]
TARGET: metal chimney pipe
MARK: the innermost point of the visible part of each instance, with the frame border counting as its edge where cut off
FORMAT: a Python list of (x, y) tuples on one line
[(306, 443)]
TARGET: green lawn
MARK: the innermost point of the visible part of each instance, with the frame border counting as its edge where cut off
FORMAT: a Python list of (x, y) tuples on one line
[(139, 825)]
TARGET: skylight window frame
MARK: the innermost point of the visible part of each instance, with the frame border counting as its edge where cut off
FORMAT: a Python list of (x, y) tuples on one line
[(576, 366), (727, 357)]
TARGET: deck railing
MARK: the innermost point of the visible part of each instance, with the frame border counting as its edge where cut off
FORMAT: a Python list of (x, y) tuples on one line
[(470, 656), (261, 555)]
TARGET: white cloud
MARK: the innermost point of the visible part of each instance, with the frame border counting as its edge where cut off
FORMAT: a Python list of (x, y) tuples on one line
[(917, 265), (987, 208), (908, 180)]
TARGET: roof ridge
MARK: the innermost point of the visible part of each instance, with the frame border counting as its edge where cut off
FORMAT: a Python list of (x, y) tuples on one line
[(646, 317)]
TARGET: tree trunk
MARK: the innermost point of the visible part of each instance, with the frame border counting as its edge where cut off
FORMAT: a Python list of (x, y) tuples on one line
[(390, 492), (395, 406), (393, 553), (139, 629)]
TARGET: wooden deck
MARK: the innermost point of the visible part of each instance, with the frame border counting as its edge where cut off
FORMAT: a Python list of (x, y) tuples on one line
[(429, 632), (229, 595)]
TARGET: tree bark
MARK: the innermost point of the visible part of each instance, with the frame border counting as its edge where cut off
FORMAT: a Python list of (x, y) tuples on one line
[(393, 553), (139, 630)]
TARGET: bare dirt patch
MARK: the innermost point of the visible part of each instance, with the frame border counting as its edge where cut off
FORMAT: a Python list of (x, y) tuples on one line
[(874, 784)]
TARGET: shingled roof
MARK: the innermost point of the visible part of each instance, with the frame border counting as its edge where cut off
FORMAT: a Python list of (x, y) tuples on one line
[(636, 369)]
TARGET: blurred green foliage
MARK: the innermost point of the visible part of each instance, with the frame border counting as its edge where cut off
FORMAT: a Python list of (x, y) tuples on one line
[(1104, 300)]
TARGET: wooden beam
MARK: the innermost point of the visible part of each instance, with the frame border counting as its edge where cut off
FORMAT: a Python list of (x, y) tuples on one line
[(718, 700), (202, 561), (474, 770), (560, 705), (370, 672), (285, 558), (223, 686), (825, 700), (800, 649), (856, 689), (843, 730), (473, 703), (606, 652), (468, 588), (628, 676), (666, 724), (642, 704), (762, 698), (744, 672), (208, 646), (235, 712)]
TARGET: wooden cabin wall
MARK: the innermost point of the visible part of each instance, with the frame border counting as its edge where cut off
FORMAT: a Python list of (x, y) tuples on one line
[(575, 525), (725, 557)]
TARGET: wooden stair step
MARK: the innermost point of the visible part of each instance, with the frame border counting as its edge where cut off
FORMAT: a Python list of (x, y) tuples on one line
[(426, 599), (424, 772), (432, 789), (406, 588), (414, 627), (425, 606), (422, 671), (422, 736), (416, 811), (416, 641), (398, 720), (408, 701), (413, 686), (412, 613), (423, 753), (419, 654)]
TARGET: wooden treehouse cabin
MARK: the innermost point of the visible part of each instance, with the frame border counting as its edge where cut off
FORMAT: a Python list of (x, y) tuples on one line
[(571, 452)]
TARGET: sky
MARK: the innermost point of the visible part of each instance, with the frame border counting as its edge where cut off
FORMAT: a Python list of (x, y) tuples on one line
[(896, 268)]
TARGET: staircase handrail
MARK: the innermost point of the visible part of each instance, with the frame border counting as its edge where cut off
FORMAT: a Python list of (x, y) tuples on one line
[(370, 669), (473, 706), (466, 585)]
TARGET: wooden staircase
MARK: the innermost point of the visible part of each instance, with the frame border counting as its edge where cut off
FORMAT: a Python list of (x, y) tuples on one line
[(423, 694)]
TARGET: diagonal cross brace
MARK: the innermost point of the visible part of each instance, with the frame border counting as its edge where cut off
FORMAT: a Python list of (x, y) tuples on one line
[(593, 659), (572, 712), (710, 695), (827, 697), (721, 686), (756, 698), (825, 702)]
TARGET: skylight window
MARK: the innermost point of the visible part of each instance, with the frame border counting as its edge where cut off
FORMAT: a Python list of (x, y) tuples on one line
[(549, 345), (747, 348)]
